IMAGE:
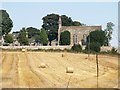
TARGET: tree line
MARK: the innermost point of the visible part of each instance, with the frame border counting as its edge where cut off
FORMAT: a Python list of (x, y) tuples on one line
[(49, 31)]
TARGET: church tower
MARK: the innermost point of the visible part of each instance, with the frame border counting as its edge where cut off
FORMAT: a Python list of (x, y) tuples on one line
[(59, 27)]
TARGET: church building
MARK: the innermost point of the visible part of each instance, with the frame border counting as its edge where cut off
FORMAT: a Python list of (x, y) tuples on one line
[(78, 34)]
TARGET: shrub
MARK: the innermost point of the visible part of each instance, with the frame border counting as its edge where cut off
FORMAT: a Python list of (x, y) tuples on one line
[(94, 47), (65, 38), (113, 51), (76, 48)]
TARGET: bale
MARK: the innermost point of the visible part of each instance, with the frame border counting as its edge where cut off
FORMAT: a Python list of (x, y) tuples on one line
[(23, 50), (69, 70), (42, 65)]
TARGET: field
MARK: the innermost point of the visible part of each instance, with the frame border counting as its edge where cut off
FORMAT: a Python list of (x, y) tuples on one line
[(22, 70)]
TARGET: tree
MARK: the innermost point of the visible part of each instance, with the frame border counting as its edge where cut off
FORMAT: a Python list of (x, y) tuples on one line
[(32, 32), (23, 40), (76, 48), (76, 23), (65, 38), (37, 39), (43, 37), (94, 47), (6, 23), (50, 23), (8, 38), (108, 32), (66, 21), (97, 36)]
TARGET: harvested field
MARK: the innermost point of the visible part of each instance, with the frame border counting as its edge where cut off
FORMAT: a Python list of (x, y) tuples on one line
[(22, 70)]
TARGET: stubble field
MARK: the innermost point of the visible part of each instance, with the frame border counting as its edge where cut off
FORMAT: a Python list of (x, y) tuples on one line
[(22, 70)]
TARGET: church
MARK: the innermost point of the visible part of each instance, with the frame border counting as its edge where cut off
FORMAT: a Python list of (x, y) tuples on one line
[(78, 34)]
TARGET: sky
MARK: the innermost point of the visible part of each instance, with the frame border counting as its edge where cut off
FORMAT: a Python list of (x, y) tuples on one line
[(29, 14)]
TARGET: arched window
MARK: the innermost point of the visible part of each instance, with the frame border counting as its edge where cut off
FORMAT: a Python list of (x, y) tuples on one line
[(75, 39), (84, 40)]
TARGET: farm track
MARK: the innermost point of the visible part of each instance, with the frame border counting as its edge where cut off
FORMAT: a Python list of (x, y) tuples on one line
[(21, 69)]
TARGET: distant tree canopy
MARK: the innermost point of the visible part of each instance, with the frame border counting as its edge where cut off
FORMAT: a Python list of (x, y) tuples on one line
[(32, 32), (8, 38), (50, 23), (23, 40), (43, 37), (93, 47), (97, 36), (6, 23), (76, 23), (65, 38), (97, 39)]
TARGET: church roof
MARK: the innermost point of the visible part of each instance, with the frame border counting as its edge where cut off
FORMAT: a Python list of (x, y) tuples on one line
[(81, 28)]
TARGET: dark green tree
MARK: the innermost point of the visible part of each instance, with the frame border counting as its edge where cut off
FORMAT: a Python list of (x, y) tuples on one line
[(43, 37), (32, 32), (50, 23), (65, 38), (76, 48), (23, 40), (93, 47), (76, 23), (6, 23), (8, 38), (97, 36), (66, 21)]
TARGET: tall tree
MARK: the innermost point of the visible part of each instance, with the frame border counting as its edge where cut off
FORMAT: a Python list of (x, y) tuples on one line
[(65, 38), (43, 37), (6, 23), (23, 40), (50, 23), (108, 32), (97, 36)]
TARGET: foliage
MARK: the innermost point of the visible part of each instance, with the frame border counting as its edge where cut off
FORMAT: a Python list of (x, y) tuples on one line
[(108, 32), (50, 23), (6, 23), (93, 47), (37, 38), (113, 51), (23, 40), (76, 23), (8, 38), (76, 48), (43, 37), (66, 21), (65, 38), (97, 36), (32, 32)]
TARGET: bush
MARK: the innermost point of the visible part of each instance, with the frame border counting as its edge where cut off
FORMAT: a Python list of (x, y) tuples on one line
[(76, 48), (65, 38), (94, 47), (113, 51)]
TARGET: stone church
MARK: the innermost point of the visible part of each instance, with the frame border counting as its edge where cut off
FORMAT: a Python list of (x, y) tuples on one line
[(78, 34)]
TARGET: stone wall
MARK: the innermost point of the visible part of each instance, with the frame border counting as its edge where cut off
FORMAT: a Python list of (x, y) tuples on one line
[(36, 47), (79, 31)]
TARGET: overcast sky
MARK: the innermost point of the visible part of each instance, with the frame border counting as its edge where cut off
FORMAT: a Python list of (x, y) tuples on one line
[(29, 14)]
